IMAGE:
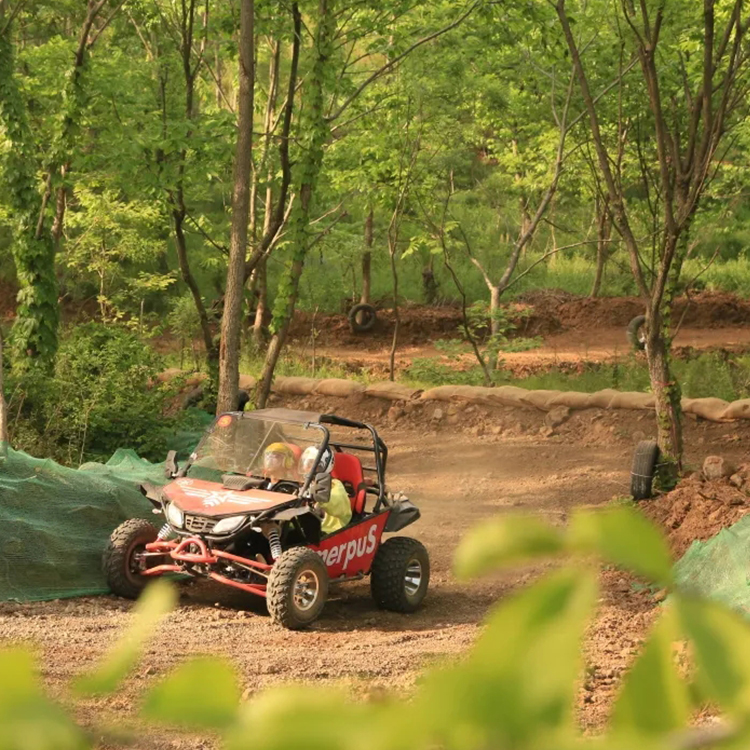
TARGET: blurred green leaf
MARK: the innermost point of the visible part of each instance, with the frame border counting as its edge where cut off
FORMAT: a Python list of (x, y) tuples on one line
[(624, 537), (721, 644), (654, 697), (157, 600), (29, 720), (209, 686), (293, 717), (522, 676), (504, 541)]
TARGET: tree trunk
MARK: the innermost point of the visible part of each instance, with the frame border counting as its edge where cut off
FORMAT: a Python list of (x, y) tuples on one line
[(178, 218), (429, 283), (231, 321), (397, 318), (367, 261), (665, 386), (278, 340), (317, 133), (3, 406), (261, 288), (493, 349), (668, 406), (603, 234)]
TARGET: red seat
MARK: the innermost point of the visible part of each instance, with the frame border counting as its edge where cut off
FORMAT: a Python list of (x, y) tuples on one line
[(348, 470)]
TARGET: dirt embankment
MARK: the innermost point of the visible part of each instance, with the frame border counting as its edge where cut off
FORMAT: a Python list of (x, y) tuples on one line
[(543, 313), (699, 508)]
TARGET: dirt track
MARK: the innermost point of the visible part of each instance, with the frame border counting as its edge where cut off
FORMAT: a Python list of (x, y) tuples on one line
[(457, 478), (573, 331)]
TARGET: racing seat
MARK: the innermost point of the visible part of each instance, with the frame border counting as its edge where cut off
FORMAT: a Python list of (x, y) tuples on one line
[(348, 470)]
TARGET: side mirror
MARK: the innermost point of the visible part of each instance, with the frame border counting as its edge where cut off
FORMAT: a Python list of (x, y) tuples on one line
[(170, 465)]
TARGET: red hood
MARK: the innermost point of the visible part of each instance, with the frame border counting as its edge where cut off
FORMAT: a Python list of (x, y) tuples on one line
[(211, 499)]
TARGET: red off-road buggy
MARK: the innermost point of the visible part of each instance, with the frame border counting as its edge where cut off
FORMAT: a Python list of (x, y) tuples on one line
[(228, 521)]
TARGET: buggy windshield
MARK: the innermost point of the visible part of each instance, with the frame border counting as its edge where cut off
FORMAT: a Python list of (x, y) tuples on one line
[(253, 446)]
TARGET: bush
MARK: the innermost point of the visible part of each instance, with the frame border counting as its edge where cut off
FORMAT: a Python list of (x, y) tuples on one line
[(103, 395)]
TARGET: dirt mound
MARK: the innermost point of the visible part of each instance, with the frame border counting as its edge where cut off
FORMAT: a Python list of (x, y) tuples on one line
[(705, 310), (418, 324), (698, 509)]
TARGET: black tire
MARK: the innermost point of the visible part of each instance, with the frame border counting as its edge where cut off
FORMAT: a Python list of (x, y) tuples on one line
[(362, 318), (126, 539), (636, 333), (289, 605), (243, 399), (644, 469), (400, 574)]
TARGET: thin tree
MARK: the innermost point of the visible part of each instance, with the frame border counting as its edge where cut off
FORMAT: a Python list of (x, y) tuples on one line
[(231, 319), (689, 124), (37, 314), (3, 406)]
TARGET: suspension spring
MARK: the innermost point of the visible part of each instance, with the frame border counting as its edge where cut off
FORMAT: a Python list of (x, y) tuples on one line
[(165, 531), (274, 540)]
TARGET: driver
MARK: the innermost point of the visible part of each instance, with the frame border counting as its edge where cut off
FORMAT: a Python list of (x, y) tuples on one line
[(328, 493), (279, 461)]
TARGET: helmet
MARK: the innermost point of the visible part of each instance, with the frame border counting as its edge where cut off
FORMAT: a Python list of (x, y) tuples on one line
[(309, 457), (279, 458)]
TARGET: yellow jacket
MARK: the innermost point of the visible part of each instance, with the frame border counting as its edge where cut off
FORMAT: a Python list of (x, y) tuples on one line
[(338, 509)]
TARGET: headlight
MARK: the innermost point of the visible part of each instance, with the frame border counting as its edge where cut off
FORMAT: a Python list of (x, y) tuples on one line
[(175, 516), (228, 525)]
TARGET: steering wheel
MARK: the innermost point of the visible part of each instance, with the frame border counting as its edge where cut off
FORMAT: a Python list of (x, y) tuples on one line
[(286, 486)]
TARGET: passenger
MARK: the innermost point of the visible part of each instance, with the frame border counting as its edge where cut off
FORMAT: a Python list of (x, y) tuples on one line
[(328, 493)]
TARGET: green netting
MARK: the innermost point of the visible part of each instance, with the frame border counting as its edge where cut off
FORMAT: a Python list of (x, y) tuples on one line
[(55, 521), (718, 568)]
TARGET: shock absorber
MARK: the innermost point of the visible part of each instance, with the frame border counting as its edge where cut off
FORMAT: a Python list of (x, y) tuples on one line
[(274, 540), (165, 531)]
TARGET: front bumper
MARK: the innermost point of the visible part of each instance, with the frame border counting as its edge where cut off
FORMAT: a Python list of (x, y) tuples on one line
[(193, 556)]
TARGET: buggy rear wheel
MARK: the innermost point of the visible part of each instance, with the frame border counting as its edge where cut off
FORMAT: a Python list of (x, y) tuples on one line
[(122, 557), (297, 588), (400, 574)]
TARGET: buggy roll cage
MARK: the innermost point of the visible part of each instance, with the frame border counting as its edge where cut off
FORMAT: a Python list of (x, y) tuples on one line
[(317, 421), (378, 449)]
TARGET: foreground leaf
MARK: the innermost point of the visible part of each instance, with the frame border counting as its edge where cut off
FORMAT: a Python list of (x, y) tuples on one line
[(505, 541), (625, 537), (302, 718), (208, 685), (721, 643), (522, 676), (157, 600), (28, 719), (655, 697)]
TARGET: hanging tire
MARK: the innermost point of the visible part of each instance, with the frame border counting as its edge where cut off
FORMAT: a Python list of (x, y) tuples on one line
[(362, 318), (120, 558), (643, 472), (400, 574), (243, 399), (636, 333), (297, 588)]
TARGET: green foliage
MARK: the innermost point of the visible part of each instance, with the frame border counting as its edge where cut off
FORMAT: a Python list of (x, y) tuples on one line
[(35, 330), (104, 395)]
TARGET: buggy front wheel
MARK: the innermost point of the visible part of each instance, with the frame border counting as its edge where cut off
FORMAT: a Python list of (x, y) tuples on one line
[(400, 574), (297, 588), (123, 557)]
